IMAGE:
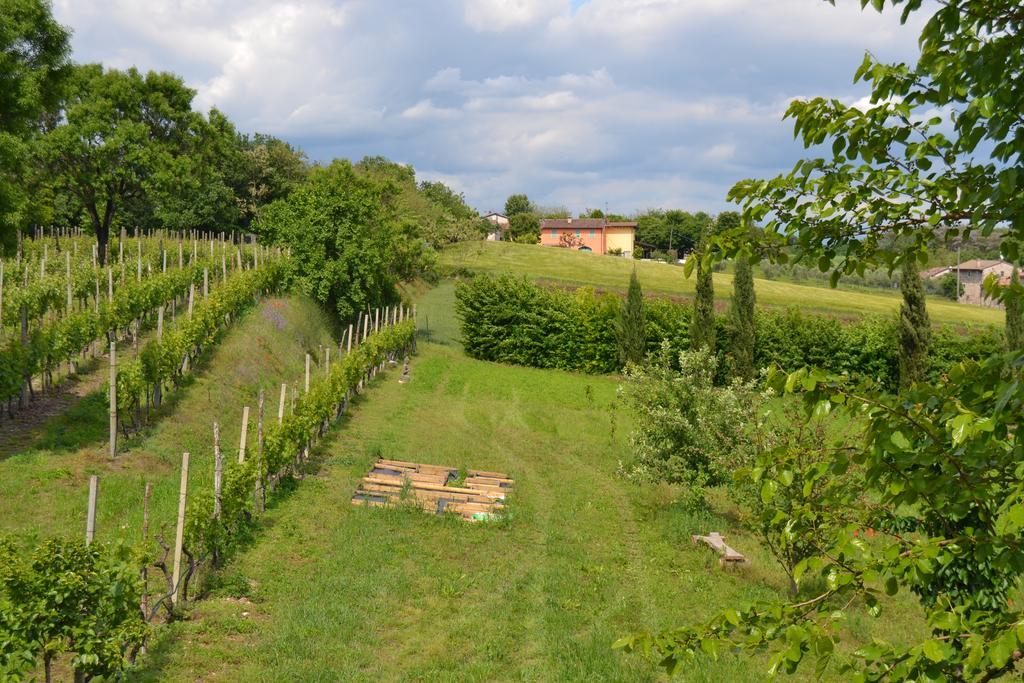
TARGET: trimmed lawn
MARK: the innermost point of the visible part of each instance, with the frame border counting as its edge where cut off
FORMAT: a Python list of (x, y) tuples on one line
[(570, 267)]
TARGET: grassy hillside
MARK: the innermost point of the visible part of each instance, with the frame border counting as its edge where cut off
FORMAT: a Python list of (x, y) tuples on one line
[(333, 592), (609, 272), (43, 488)]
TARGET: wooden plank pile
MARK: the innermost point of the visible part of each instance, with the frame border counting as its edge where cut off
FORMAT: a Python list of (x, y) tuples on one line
[(482, 495)]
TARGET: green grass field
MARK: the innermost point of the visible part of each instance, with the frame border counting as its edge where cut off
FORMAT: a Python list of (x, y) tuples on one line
[(333, 592), (571, 267)]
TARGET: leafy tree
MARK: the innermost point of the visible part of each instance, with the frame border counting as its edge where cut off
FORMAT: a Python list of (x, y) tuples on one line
[(348, 242), (432, 210), (742, 317), (688, 431), (265, 169), (915, 326), (728, 220), (940, 145), (702, 330), (123, 133), (524, 228), (516, 204), (950, 288), (34, 64), (631, 324), (1014, 304)]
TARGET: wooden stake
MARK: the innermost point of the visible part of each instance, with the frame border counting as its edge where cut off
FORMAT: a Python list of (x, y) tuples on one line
[(113, 399), (145, 539), (245, 433), (90, 519), (206, 282), (218, 470), (280, 405), (179, 536), (327, 362), (307, 373), (191, 298), (349, 349), (67, 260), (160, 323)]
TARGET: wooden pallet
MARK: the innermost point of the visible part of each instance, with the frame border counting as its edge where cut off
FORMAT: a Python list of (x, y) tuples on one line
[(391, 482)]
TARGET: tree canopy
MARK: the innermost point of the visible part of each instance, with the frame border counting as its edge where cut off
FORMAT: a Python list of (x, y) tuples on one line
[(936, 156), (34, 63)]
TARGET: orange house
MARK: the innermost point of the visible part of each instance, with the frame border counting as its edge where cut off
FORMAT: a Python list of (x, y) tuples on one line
[(589, 234)]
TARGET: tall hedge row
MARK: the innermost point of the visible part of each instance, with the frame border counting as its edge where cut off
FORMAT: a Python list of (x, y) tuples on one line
[(512, 320)]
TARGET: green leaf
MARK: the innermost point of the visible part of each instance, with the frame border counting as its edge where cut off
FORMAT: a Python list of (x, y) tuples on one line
[(768, 490), (934, 650)]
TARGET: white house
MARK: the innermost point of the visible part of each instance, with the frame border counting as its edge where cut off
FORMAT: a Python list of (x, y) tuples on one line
[(500, 222)]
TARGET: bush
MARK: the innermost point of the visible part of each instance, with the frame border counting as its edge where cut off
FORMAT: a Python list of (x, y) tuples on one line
[(688, 431), (512, 320)]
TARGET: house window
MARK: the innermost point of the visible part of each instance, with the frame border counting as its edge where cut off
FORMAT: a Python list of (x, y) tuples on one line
[(593, 232), (577, 233), (554, 233)]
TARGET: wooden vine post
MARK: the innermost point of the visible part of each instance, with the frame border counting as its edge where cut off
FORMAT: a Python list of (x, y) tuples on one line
[(245, 433), (259, 494), (179, 535), (218, 471), (90, 518), (113, 399), (349, 349), (307, 373), (280, 405), (145, 539)]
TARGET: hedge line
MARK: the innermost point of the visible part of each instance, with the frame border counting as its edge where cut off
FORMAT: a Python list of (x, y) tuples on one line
[(512, 320)]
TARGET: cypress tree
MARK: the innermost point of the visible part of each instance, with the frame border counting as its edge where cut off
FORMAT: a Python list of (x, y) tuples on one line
[(702, 326), (632, 326), (1015, 315), (742, 313), (915, 327)]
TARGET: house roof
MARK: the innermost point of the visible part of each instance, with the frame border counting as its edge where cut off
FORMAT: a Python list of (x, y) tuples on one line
[(935, 272), (495, 213), (584, 223), (980, 264)]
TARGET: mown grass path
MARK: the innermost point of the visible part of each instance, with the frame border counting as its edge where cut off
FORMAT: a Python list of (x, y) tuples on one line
[(333, 592)]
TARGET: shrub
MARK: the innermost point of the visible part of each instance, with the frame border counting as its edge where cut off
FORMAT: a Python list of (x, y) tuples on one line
[(512, 320), (688, 431)]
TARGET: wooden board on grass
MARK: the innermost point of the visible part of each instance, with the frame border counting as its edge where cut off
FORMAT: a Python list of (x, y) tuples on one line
[(391, 482)]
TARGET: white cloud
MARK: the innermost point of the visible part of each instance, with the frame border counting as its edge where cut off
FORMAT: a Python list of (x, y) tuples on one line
[(502, 15), (634, 102), (720, 153), (425, 109)]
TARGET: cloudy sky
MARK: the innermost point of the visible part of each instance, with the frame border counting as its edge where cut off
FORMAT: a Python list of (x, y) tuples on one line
[(583, 103)]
